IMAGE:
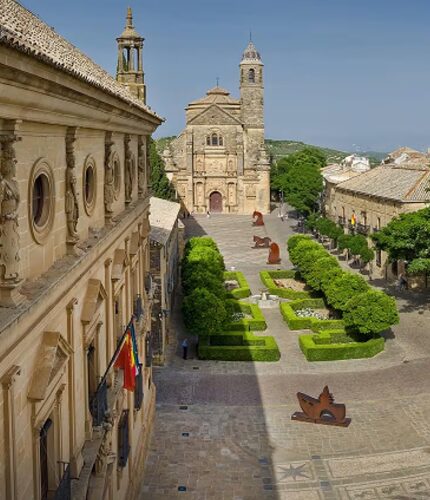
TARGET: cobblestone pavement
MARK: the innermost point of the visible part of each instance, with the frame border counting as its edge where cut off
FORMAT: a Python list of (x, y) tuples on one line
[(223, 430)]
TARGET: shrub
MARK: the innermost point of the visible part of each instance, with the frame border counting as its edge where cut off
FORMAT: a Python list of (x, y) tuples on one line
[(314, 272), (328, 275), (238, 293), (332, 352), (305, 258), (268, 277), (201, 277), (343, 288), (204, 313), (203, 258), (300, 248), (288, 311), (248, 348), (371, 312), (293, 241), (203, 241)]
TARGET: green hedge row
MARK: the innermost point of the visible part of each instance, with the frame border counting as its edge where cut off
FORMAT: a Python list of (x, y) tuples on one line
[(238, 347), (314, 351), (288, 311), (257, 323), (238, 293), (268, 277)]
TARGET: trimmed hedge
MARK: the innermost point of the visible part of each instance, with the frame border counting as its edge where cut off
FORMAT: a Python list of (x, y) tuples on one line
[(267, 278), (248, 348), (331, 351), (257, 323), (288, 311), (238, 293)]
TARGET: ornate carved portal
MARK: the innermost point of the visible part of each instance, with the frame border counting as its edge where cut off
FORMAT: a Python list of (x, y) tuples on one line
[(109, 187), (71, 196), (9, 236)]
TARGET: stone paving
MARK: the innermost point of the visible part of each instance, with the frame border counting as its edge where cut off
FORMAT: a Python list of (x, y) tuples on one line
[(233, 438)]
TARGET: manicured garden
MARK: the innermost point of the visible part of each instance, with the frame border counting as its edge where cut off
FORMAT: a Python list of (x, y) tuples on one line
[(359, 312), (222, 323), (285, 284)]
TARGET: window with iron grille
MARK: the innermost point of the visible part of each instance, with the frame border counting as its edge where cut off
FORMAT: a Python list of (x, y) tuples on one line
[(148, 351), (123, 440), (138, 391)]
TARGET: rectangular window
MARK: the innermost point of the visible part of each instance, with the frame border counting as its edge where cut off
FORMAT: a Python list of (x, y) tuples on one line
[(123, 440), (138, 391)]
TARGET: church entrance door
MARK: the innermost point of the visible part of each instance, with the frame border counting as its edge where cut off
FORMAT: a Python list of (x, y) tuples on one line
[(215, 202)]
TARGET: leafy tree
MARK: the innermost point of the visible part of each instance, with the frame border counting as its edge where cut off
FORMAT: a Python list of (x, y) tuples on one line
[(357, 244), (204, 313), (293, 241), (419, 266), (160, 185), (200, 241), (203, 258), (201, 277), (370, 312), (308, 257), (316, 269), (327, 227), (367, 255), (300, 248), (328, 275), (344, 241), (406, 237), (343, 288), (300, 178)]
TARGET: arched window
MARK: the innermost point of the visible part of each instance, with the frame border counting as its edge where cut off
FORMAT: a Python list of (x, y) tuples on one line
[(251, 75), (214, 140)]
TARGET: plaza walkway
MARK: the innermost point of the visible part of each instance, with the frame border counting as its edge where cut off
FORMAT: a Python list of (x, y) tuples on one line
[(223, 430)]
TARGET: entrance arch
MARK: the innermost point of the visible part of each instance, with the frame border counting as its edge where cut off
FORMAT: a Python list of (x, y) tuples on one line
[(215, 202)]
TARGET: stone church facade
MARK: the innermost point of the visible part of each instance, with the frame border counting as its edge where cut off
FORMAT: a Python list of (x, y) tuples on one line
[(219, 162)]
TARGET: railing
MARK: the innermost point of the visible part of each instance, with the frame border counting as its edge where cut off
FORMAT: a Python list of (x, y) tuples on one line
[(376, 229), (123, 440), (99, 404), (64, 490), (148, 351), (341, 220), (352, 227), (138, 391), (363, 229)]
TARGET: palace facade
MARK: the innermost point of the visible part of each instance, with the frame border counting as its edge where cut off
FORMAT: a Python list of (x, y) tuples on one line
[(219, 162), (74, 265)]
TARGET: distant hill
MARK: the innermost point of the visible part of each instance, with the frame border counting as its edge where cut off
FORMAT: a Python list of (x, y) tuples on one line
[(280, 149)]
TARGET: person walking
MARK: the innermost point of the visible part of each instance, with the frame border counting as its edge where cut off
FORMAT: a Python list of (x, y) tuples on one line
[(184, 348), (208, 214)]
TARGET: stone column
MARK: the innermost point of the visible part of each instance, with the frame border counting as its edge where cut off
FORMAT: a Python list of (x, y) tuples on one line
[(8, 382), (10, 275)]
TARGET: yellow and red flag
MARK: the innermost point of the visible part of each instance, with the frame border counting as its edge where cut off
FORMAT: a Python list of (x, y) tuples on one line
[(128, 359)]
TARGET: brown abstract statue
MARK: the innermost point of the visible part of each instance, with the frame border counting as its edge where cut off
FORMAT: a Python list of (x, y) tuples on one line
[(322, 410), (259, 220), (262, 242), (274, 257)]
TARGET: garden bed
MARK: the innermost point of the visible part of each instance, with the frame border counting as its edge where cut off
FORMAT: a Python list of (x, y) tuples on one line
[(285, 284), (242, 291), (236, 346), (295, 322), (253, 319)]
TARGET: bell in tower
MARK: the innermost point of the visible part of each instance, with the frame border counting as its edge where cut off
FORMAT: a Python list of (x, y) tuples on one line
[(130, 65)]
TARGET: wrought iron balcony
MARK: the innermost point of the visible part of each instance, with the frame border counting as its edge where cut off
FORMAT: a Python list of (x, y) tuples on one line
[(363, 229), (99, 404), (64, 490)]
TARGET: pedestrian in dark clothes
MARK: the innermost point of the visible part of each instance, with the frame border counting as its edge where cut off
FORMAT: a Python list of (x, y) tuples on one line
[(184, 348)]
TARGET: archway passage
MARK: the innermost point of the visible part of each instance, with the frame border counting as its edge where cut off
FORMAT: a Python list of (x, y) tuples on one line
[(215, 202)]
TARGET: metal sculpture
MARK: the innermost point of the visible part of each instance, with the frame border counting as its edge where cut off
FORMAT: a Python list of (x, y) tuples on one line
[(322, 410), (274, 257), (258, 216), (262, 242)]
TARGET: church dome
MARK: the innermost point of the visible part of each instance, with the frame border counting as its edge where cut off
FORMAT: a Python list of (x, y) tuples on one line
[(251, 53)]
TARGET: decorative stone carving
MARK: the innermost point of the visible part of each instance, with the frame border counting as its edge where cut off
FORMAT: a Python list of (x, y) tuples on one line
[(251, 191), (71, 196), (109, 187), (129, 170), (141, 167), (231, 194), (200, 193), (9, 204), (105, 449)]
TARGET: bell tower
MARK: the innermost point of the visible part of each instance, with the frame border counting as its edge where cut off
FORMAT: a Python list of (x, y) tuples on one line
[(130, 66), (252, 88)]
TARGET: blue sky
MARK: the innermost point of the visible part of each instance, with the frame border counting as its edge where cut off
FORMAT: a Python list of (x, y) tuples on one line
[(351, 74)]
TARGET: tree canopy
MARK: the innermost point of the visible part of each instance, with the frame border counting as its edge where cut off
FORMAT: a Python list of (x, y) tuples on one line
[(299, 177), (160, 185), (407, 237)]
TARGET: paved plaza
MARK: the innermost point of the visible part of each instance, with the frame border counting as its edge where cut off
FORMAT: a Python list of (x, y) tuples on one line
[(223, 429)]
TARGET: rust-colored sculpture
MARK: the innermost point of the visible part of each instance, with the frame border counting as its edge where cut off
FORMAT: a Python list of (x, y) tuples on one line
[(274, 254), (322, 410), (262, 242), (259, 220)]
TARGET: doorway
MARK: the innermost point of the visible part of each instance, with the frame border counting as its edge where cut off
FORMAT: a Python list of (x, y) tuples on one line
[(215, 202)]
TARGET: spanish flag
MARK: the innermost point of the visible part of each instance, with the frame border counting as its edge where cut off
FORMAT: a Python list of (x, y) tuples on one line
[(353, 220), (128, 359)]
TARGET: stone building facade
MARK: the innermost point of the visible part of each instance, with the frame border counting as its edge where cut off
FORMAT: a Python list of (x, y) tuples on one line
[(167, 244), (219, 162), (371, 199), (74, 262)]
